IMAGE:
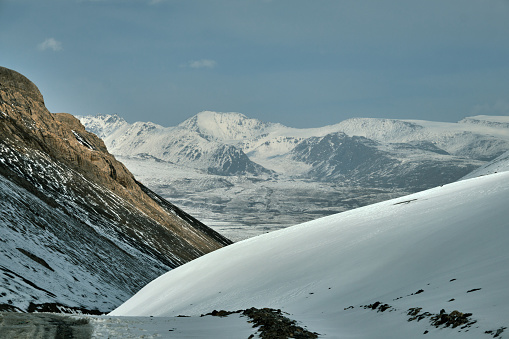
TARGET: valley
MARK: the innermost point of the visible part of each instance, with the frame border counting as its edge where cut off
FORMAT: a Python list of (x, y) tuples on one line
[(365, 228), (273, 176), (240, 207)]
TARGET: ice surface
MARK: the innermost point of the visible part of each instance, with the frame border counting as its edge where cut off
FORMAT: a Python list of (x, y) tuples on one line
[(234, 326)]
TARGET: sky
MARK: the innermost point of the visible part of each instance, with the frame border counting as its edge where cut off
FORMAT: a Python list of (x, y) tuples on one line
[(301, 63)]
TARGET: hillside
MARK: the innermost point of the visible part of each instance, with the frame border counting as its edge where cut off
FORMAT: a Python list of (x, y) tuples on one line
[(77, 230), (395, 269), (499, 164)]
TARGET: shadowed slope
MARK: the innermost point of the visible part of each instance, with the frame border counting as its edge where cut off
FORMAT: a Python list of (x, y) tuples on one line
[(68, 202)]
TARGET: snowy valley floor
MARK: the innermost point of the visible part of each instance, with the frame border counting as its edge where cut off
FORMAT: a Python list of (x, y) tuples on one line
[(374, 321), (46, 325), (243, 207)]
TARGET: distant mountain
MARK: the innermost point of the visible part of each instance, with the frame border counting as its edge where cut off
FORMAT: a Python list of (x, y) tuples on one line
[(488, 121), (415, 165), (77, 231), (188, 144), (242, 172), (374, 152)]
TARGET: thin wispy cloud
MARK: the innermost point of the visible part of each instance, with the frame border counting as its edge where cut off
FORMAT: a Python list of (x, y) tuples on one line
[(203, 63), (50, 44), (501, 107)]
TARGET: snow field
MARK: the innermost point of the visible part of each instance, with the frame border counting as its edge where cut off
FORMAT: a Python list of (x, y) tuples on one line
[(449, 241)]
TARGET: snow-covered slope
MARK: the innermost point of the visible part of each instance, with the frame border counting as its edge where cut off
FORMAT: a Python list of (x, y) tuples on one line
[(487, 120), (225, 127), (463, 138), (441, 249), (499, 164), (50, 256)]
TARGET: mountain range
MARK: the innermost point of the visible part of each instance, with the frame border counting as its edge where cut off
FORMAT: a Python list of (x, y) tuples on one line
[(361, 151), (77, 230), (243, 176), (79, 233)]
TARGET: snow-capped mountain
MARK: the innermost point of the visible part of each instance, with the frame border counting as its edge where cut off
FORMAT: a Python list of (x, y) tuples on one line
[(496, 122), (433, 263), (415, 165), (188, 144), (286, 176), (210, 140), (77, 231)]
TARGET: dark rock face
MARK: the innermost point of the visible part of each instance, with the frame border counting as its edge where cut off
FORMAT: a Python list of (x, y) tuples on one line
[(453, 319), (272, 324), (229, 160), (356, 160), (13, 79), (80, 212), (378, 306), (337, 153)]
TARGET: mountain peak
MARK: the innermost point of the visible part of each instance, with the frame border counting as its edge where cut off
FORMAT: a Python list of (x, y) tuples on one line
[(225, 126), (216, 115), (103, 124), (13, 79), (109, 118)]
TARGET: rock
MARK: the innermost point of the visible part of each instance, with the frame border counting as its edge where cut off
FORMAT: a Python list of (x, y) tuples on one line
[(274, 325), (29, 123), (81, 202)]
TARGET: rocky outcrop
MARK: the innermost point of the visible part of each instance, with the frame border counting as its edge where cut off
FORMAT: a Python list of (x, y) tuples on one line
[(271, 322), (71, 173)]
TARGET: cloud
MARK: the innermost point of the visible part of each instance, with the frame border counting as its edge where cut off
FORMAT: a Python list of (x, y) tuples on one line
[(501, 107), (50, 43), (203, 63)]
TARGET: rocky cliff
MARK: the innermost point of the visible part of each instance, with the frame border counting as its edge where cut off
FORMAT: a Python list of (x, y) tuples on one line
[(69, 203)]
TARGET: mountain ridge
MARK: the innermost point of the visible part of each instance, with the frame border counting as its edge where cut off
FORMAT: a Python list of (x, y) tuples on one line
[(77, 229), (469, 139)]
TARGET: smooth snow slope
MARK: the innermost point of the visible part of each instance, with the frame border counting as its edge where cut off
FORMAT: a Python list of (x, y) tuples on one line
[(446, 241), (499, 164)]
